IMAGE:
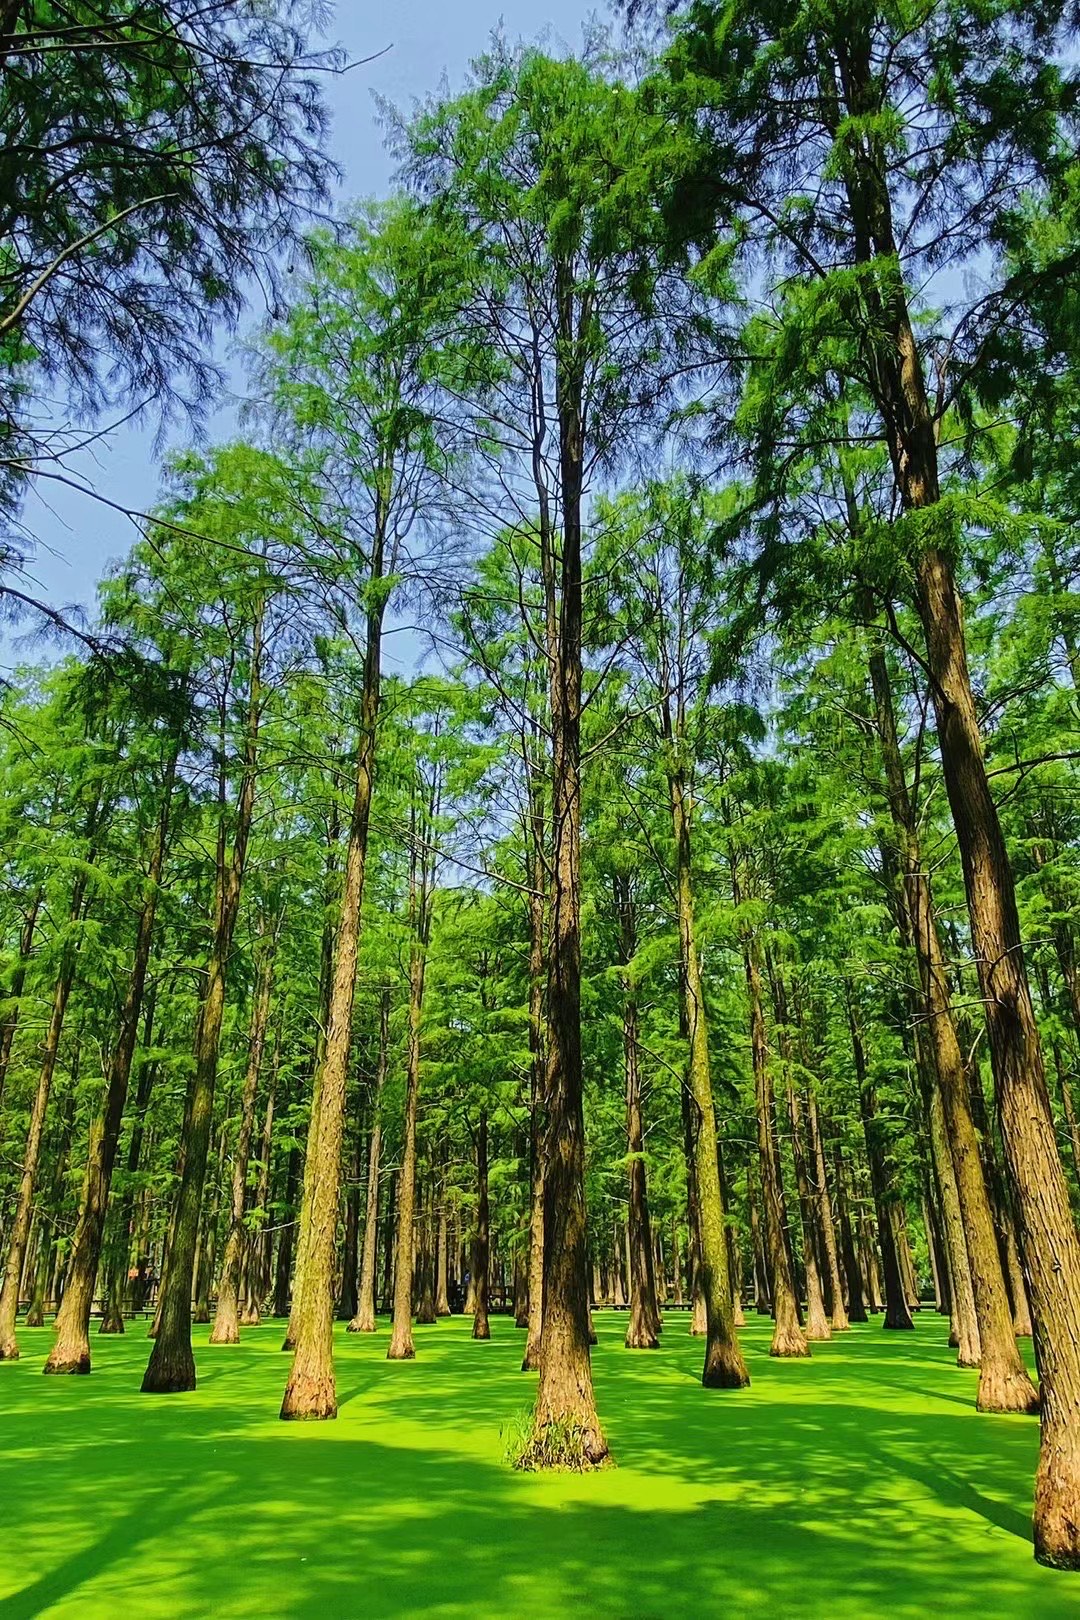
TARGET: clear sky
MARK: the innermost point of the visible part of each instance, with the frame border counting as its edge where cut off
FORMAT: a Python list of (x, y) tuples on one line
[(77, 536)]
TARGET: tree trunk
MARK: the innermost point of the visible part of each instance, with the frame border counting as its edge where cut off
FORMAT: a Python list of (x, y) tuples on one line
[(171, 1367), (226, 1329), (856, 1300), (1004, 1385), (364, 1320), (837, 1309), (1048, 1239), (20, 1226), (482, 1245), (310, 1391), (788, 1338), (401, 1347), (566, 1426), (643, 1328), (724, 1365)]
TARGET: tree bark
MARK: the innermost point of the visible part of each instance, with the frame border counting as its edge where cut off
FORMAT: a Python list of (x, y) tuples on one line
[(310, 1390), (171, 1367), (565, 1419), (643, 1327), (837, 1310), (482, 1245), (1004, 1385), (401, 1347), (71, 1351), (226, 1328), (788, 1338), (20, 1225), (364, 1320)]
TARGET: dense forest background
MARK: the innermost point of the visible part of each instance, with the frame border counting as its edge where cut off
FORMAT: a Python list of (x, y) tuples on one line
[(685, 912)]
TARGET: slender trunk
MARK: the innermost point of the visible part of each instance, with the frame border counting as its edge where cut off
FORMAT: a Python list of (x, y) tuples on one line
[(18, 980), (283, 1261), (226, 1329), (310, 1391), (1004, 1385), (724, 1365), (837, 1309), (788, 1338), (643, 1327), (401, 1347), (565, 1416), (856, 1302), (482, 1245), (172, 1364), (364, 1320), (1048, 1240), (442, 1270), (537, 1069), (71, 1351), (897, 1314), (20, 1226), (965, 1324)]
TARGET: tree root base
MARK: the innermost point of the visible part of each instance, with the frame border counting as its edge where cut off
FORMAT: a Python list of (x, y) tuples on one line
[(1010, 1391), (789, 1341), (567, 1447), (75, 1362)]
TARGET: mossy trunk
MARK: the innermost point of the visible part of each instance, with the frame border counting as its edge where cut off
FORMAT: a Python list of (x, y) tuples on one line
[(724, 1365)]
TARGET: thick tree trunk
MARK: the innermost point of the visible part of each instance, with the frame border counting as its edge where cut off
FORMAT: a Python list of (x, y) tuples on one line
[(537, 1071), (482, 1244), (1048, 1240), (364, 1320), (1004, 1385), (310, 1390), (171, 1367)]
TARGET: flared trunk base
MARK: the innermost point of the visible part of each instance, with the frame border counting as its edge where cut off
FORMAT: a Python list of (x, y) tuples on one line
[(725, 1368), (172, 1374), (68, 1356), (1006, 1389), (789, 1342), (309, 1399), (1056, 1520)]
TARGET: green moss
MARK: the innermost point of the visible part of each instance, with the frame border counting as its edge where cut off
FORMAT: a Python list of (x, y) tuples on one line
[(861, 1483)]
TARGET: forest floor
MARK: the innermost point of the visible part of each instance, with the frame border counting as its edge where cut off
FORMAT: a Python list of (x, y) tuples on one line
[(859, 1484)]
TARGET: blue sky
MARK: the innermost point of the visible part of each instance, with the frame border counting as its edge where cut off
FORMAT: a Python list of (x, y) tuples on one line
[(77, 536)]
